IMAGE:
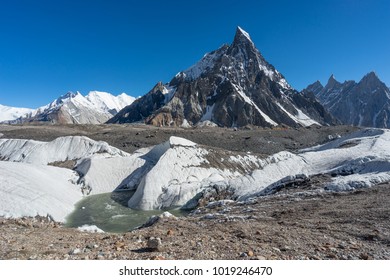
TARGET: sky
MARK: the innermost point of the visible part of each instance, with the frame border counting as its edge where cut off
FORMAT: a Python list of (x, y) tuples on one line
[(50, 47)]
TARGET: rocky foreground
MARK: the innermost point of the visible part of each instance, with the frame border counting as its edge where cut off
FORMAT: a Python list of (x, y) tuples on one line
[(297, 223)]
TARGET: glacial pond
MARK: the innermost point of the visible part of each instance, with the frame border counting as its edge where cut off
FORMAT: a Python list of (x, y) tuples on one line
[(109, 212)]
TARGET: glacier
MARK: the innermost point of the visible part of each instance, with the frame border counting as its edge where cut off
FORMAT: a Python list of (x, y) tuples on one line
[(174, 173)]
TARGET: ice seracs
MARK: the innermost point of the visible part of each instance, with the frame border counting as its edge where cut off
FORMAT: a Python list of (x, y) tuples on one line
[(29, 187), (30, 190), (181, 173), (60, 149), (179, 169), (177, 172)]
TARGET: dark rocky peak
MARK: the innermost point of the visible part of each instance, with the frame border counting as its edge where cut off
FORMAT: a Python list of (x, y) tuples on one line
[(371, 83), (371, 77), (158, 88), (242, 38), (242, 46), (315, 87), (332, 84)]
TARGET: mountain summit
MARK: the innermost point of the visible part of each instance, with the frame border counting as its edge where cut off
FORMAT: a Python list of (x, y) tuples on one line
[(231, 86)]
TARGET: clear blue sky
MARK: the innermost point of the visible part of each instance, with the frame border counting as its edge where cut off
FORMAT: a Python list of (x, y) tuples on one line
[(49, 47)]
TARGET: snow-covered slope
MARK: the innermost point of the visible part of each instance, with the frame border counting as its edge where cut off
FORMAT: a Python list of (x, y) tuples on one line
[(107, 102), (29, 187), (12, 113), (179, 169), (60, 149), (106, 174), (97, 107), (29, 190)]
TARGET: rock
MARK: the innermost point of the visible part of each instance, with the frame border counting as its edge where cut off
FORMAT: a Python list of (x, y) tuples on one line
[(154, 243), (364, 256), (170, 232), (250, 253), (276, 249), (158, 258), (285, 248), (154, 219), (75, 251)]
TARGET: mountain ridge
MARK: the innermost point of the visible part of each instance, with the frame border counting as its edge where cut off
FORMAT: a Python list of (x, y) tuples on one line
[(94, 108), (365, 103)]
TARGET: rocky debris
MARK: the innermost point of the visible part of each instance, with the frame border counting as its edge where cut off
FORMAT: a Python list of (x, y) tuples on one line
[(262, 141), (348, 226)]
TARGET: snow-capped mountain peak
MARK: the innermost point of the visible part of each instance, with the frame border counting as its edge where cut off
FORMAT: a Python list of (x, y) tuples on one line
[(107, 102), (11, 113), (242, 37), (231, 86), (96, 107), (243, 32)]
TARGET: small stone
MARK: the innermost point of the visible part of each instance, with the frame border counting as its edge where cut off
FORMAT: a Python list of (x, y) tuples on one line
[(154, 243), (170, 232), (33, 257), (250, 253), (243, 255), (276, 249), (261, 258), (285, 248), (341, 246), (364, 256), (75, 251), (119, 244), (332, 256), (158, 258)]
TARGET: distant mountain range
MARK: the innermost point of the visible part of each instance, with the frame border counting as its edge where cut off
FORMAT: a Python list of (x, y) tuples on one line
[(96, 107), (366, 103), (233, 86)]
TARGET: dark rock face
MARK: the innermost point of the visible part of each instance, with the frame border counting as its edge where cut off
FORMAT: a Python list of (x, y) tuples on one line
[(366, 103), (232, 86), (142, 107)]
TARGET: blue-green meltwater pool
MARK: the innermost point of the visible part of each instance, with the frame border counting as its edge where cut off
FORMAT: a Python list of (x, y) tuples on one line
[(109, 212)]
